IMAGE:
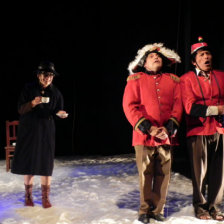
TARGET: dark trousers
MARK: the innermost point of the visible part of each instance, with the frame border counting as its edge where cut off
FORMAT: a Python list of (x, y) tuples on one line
[(154, 167), (206, 156)]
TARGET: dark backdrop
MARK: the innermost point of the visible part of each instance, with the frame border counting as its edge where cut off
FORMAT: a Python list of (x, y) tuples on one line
[(91, 44)]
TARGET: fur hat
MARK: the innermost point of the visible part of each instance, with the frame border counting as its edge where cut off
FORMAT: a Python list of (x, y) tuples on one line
[(199, 45), (139, 61)]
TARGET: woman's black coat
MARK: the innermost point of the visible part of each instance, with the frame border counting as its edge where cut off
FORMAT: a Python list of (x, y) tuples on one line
[(35, 146)]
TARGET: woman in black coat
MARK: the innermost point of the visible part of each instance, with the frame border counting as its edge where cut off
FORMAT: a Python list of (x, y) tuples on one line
[(39, 104)]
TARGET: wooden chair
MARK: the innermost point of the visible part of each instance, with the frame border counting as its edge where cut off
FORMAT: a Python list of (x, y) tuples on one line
[(11, 136)]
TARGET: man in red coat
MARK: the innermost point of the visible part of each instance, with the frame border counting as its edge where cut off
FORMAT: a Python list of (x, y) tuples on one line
[(203, 99), (152, 104)]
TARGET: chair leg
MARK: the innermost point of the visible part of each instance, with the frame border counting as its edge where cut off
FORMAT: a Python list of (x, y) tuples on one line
[(7, 161), (9, 164)]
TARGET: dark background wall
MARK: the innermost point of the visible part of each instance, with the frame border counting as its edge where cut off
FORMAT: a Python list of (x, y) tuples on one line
[(91, 44)]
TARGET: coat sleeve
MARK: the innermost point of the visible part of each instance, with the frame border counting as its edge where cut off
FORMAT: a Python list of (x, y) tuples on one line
[(134, 111), (173, 122), (189, 102), (24, 102), (177, 105)]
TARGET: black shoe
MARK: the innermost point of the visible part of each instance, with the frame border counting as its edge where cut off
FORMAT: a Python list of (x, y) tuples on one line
[(158, 217), (144, 218)]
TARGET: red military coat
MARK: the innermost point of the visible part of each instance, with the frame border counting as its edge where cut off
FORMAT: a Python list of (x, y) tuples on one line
[(154, 97), (191, 94)]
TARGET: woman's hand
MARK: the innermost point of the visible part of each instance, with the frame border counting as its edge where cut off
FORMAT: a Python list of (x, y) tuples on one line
[(62, 114), (36, 101)]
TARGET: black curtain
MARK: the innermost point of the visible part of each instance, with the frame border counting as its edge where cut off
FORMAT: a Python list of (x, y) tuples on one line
[(92, 44)]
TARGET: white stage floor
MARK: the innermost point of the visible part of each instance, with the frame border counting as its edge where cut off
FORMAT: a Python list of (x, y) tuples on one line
[(92, 190)]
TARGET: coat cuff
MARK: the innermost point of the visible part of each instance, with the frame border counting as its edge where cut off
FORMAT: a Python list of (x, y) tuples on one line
[(198, 110), (143, 125), (175, 121), (139, 122), (212, 110), (25, 108)]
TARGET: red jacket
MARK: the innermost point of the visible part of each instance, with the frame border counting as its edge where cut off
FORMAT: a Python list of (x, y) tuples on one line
[(153, 97), (192, 95)]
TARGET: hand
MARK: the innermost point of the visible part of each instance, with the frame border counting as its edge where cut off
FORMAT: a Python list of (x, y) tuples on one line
[(162, 133), (36, 101), (62, 114), (220, 109), (153, 131)]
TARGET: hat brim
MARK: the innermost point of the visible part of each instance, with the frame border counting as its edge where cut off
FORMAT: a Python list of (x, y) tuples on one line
[(171, 55), (38, 71)]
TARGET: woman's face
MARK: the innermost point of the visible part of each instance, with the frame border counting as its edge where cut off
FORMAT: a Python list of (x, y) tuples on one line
[(45, 78)]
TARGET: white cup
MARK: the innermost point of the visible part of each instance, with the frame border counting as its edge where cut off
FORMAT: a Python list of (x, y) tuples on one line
[(45, 99)]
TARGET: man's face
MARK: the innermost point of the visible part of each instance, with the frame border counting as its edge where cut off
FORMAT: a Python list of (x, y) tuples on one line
[(153, 62), (203, 60), (45, 78)]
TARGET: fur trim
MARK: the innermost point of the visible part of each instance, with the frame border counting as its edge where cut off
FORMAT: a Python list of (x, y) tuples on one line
[(170, 54)]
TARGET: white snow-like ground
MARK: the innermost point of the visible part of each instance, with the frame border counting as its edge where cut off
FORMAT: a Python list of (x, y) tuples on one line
[(91, 190)]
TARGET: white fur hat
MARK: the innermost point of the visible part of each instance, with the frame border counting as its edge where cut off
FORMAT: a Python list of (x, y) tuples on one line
[(140, 60)]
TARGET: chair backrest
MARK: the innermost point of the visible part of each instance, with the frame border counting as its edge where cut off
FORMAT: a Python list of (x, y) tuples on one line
[(11, 132)]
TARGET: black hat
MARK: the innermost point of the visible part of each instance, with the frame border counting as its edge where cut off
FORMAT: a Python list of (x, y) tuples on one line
[(46, 66)]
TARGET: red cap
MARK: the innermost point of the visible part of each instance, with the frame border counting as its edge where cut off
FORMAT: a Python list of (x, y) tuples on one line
[(199, 45)]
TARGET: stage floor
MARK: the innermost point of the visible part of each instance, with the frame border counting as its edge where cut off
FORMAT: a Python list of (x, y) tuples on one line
[(91, 190)]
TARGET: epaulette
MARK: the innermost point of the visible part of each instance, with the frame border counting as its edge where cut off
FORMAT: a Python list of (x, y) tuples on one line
[(175, 78), (133, 77)]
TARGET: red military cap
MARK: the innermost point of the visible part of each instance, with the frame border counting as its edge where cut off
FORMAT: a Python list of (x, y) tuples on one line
[(198, 45)]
